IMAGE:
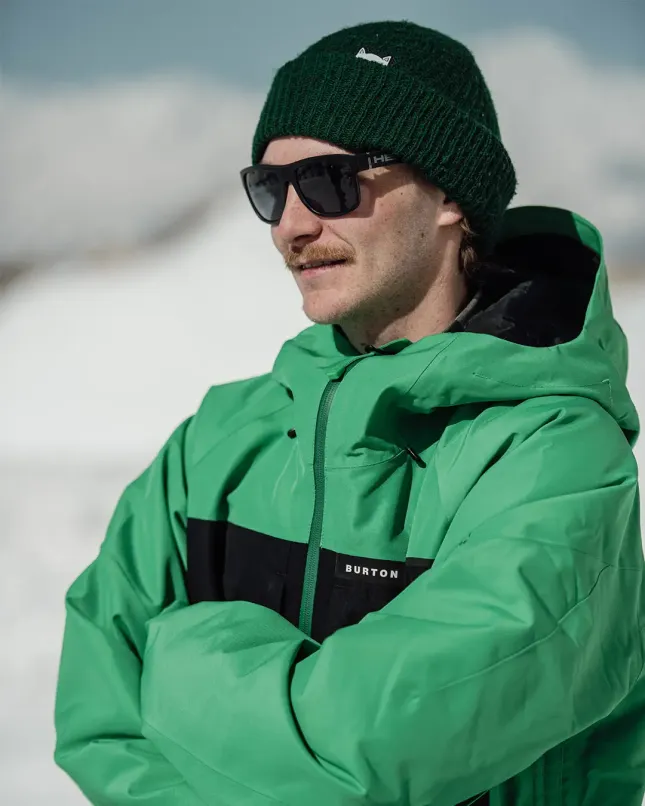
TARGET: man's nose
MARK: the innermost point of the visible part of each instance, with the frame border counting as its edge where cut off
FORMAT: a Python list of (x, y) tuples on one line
[(298, 223)]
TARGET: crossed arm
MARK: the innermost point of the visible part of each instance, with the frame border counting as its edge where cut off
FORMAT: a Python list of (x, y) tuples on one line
[(499, 653)]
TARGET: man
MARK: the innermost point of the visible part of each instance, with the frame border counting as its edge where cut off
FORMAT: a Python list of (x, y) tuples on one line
[(405, 566)]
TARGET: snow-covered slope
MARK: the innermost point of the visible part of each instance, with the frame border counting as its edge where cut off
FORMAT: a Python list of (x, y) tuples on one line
[(97, 365), (103, 361)]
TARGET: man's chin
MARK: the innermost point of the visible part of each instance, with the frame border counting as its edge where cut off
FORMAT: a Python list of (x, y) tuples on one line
[(324, 317), (325, 314)]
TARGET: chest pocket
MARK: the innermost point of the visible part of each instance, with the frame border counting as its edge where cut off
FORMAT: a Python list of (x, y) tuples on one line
[(227, 562)]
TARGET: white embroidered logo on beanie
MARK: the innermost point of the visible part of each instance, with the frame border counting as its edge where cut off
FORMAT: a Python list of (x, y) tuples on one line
[(372, 57)]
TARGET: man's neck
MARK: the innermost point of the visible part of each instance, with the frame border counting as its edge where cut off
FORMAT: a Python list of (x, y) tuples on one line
[(434, 314)]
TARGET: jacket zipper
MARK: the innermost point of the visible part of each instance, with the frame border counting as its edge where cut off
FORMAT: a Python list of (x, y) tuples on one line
[(315, 532)]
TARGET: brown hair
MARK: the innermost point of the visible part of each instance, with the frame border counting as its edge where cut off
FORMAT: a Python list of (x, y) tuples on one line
[(467, 253)]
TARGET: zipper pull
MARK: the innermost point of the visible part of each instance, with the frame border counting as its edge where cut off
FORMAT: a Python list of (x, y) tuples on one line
[(370, 348), (416, 457)]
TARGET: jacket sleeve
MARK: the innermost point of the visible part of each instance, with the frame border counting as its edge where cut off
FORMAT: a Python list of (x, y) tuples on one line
[(524, 633), (138, 571)]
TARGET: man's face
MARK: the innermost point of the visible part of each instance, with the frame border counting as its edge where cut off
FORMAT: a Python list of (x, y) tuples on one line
[(392, 244)]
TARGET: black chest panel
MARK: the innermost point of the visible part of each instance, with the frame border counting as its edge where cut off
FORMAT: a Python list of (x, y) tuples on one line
[(228, 562)]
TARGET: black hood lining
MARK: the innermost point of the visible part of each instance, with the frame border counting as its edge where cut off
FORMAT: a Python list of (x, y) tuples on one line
[(533, 290)]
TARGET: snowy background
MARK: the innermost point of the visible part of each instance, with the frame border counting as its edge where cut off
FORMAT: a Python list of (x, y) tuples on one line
[(133, 275)]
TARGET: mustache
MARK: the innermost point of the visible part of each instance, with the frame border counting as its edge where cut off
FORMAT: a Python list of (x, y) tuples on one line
[(313, 253)]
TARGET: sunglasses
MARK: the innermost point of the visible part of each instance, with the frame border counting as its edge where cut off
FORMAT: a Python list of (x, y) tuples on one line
[(326, 185)]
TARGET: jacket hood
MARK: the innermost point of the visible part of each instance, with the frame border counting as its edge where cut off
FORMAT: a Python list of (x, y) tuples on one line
[(540, 323)]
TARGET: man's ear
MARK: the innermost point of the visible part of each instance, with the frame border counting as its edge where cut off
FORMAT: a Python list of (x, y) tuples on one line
[(450, 213)]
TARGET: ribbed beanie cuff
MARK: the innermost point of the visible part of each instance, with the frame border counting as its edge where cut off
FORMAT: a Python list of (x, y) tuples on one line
[(358, 105)]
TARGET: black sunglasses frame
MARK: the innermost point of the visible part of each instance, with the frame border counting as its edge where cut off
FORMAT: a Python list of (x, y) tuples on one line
[(288, 175)]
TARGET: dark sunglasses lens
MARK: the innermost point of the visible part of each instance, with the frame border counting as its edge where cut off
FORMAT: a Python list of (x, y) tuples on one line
[(330, 188), (266, 192)]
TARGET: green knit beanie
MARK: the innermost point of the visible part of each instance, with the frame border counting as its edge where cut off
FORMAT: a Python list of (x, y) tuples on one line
[(410, 91)]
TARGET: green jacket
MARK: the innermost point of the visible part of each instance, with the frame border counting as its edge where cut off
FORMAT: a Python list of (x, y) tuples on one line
[(410, 577)]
